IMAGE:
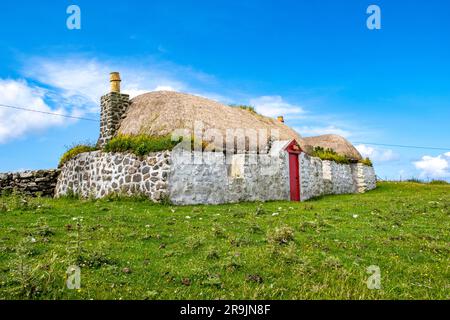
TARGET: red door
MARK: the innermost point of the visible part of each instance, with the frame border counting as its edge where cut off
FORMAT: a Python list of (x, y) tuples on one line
[(294, 177)]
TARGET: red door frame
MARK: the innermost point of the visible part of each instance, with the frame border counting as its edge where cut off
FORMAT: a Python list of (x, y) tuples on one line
[(294, 171)]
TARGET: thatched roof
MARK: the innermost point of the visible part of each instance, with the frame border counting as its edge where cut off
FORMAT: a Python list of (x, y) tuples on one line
[(337, 143), (162, 112)]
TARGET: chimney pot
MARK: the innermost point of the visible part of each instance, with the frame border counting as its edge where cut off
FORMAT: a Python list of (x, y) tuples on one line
[(115, 82)]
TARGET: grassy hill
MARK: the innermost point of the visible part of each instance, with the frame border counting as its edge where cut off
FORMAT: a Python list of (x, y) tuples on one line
[(321, 249)]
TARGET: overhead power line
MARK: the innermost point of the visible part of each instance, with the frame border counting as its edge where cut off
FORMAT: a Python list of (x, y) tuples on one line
[(48, 113), (403, 146), (97, 120)]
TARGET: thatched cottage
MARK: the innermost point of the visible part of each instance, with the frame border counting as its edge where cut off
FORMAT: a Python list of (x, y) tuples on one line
[(242, 156)]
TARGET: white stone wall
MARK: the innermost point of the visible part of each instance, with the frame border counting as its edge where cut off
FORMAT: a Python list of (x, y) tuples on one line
[(311, 177), (209, 177), (319, 177), (337, 178), (215, 180), (364, 177), (96, 174)]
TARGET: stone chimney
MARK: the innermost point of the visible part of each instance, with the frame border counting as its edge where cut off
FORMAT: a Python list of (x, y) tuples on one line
[(280, 119), (113, 108)]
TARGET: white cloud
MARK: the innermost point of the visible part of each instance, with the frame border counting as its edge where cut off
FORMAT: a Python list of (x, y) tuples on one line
[(75, 83), (16, 123), (317, 131), (273, 106), (434, 167), (80, 82), (81, 78), (377, 154)]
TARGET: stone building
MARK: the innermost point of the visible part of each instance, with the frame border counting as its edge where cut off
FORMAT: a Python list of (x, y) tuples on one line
[(241, 156)]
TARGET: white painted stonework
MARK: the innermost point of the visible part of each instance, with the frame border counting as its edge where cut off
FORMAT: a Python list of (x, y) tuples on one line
[(311, 177), (337, 178), (364, 177), (214, 181), (319, 177), (209, 177)]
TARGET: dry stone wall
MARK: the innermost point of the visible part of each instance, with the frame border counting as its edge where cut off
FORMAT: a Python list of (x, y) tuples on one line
[(97, 174), (40, 182)]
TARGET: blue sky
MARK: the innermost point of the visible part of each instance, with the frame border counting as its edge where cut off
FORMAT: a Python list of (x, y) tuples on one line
[(315, 62)]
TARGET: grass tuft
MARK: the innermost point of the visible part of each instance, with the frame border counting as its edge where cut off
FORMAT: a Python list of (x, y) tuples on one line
[(250, 109), (74, 151), (329, 154), (140, 145), (366, 162)]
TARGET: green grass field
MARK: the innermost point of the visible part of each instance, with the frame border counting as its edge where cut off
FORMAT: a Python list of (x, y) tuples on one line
[(321, 249)]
